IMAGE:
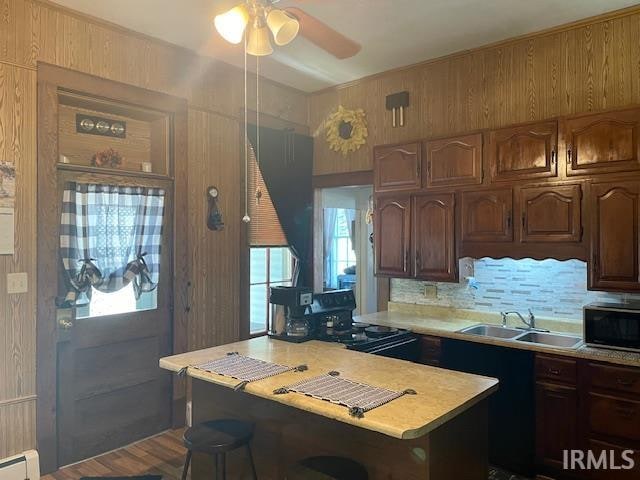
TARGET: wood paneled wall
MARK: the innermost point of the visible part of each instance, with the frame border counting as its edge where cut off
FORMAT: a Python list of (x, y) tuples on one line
[(588, 66), (36, 30)]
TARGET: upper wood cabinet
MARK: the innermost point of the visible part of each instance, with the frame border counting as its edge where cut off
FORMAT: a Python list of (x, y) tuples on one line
[(392, 235), (602, 143), (434, 237), (453, 161), (397, 167), (487, 216), (524, 152), (551, 214), (615, 211)]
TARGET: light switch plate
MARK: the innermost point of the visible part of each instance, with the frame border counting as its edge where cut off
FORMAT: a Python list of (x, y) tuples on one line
[(17, 283)]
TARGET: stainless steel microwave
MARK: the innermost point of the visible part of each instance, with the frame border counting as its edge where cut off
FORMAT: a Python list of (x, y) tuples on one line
[(613, 325)]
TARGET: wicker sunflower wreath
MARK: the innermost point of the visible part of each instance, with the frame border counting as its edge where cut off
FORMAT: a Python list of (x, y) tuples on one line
[(346, 130)]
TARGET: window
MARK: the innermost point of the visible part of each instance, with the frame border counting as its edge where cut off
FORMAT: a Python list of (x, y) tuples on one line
[(341, 256), (269, 266), (122, 301)]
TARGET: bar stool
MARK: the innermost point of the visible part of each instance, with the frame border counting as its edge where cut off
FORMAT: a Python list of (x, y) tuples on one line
[(327, 468), (216, 438)]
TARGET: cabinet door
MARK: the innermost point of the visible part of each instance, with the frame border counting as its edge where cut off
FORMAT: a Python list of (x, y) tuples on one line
[(397, 167), (524, 152), (392, 236), (602, 143), (614, 243), (434, 237), (556, 427), (454, 161), (551, 214), (487, 216)]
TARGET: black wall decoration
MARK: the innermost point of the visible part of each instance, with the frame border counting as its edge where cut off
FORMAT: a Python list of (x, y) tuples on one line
[(100, 126), (214, 217), (397, 103)]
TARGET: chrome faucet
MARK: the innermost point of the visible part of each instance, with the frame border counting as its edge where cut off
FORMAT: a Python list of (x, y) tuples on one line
[(530, 322)]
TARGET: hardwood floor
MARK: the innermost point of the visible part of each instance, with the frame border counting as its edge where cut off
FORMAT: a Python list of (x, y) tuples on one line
[(161, 455)]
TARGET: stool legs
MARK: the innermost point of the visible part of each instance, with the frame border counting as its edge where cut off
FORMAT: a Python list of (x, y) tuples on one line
[(220, 461), (186, 465), (253, 466)]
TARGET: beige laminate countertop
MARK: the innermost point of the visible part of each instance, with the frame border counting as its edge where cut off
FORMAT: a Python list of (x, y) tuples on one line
[(441, 323), (441, 394)]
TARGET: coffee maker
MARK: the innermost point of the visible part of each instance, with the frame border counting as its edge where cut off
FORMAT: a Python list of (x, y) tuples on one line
[(289, 307)]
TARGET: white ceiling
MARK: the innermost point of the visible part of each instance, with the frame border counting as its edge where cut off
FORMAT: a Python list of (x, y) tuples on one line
[(393, 33)]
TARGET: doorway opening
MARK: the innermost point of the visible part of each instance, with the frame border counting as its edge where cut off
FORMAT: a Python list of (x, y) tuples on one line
[(343, 247)]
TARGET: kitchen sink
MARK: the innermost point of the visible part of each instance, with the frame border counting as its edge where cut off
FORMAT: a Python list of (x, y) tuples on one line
[(551, 339), (495, 331)]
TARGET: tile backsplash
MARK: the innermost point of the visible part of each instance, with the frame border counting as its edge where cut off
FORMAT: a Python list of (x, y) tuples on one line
[(551, 288)]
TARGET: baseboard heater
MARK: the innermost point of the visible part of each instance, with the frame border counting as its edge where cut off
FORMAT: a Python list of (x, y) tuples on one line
[(21, 467)]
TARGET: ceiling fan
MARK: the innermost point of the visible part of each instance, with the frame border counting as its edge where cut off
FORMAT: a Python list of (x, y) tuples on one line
[(260, 20)]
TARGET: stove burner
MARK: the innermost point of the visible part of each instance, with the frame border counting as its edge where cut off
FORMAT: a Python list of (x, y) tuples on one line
[(359, 327), (379, 331)]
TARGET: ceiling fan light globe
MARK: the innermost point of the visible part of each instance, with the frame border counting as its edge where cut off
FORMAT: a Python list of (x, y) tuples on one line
[(283, 26), (232, 24), (258, 41)]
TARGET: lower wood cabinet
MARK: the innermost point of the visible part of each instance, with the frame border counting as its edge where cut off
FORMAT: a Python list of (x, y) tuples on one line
[(434, 252), (615, 223), (587, 406), (556, 407), (430, 350)]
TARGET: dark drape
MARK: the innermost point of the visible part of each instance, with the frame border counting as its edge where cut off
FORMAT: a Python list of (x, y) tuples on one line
[(286, 164)]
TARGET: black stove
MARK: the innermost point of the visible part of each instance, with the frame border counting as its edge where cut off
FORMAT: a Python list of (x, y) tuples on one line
[(330, 318)]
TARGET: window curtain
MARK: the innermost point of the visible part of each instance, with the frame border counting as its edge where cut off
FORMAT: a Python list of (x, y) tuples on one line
[(285, 160), (350, 216), (110, 236), (329, 234)]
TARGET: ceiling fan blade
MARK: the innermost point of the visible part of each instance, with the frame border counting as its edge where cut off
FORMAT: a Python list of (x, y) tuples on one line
[(324, 36)]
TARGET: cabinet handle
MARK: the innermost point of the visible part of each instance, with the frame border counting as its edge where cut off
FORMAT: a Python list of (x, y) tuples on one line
[(625, 383), (406, 260), (569, 153), (553, 156), (626, 412), (418, 169), (596, 266), (524, 220), (418, 261), (509, 220), (553, 371)]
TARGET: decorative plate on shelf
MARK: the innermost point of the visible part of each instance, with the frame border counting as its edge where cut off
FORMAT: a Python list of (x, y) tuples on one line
[(346, 130)]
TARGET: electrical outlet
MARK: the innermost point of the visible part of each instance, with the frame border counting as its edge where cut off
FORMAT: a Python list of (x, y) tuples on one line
[(431, 291), (17, 283)]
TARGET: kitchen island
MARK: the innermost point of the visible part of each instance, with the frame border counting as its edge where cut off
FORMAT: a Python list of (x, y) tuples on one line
[(438, 434)]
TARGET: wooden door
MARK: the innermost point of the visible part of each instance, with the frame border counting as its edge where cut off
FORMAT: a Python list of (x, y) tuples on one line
[(614, 244), (606, 142), (524, 152), (556, 425), (551, 214), (434, 237), (397, 167), (454, 161), (393, 236), (111, 391), (487, 216)]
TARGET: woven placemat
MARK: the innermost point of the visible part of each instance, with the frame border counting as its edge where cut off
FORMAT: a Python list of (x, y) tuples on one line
[(356, 396), (245, 369)]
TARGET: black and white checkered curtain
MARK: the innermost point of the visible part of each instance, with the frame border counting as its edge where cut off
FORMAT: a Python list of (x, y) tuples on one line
[(110, 236)]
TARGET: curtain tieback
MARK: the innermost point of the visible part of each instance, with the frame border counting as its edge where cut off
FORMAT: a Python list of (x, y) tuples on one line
[(141, 275), (89, 274)]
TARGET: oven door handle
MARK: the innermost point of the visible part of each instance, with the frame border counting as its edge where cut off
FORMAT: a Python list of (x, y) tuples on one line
[(393, 345)]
